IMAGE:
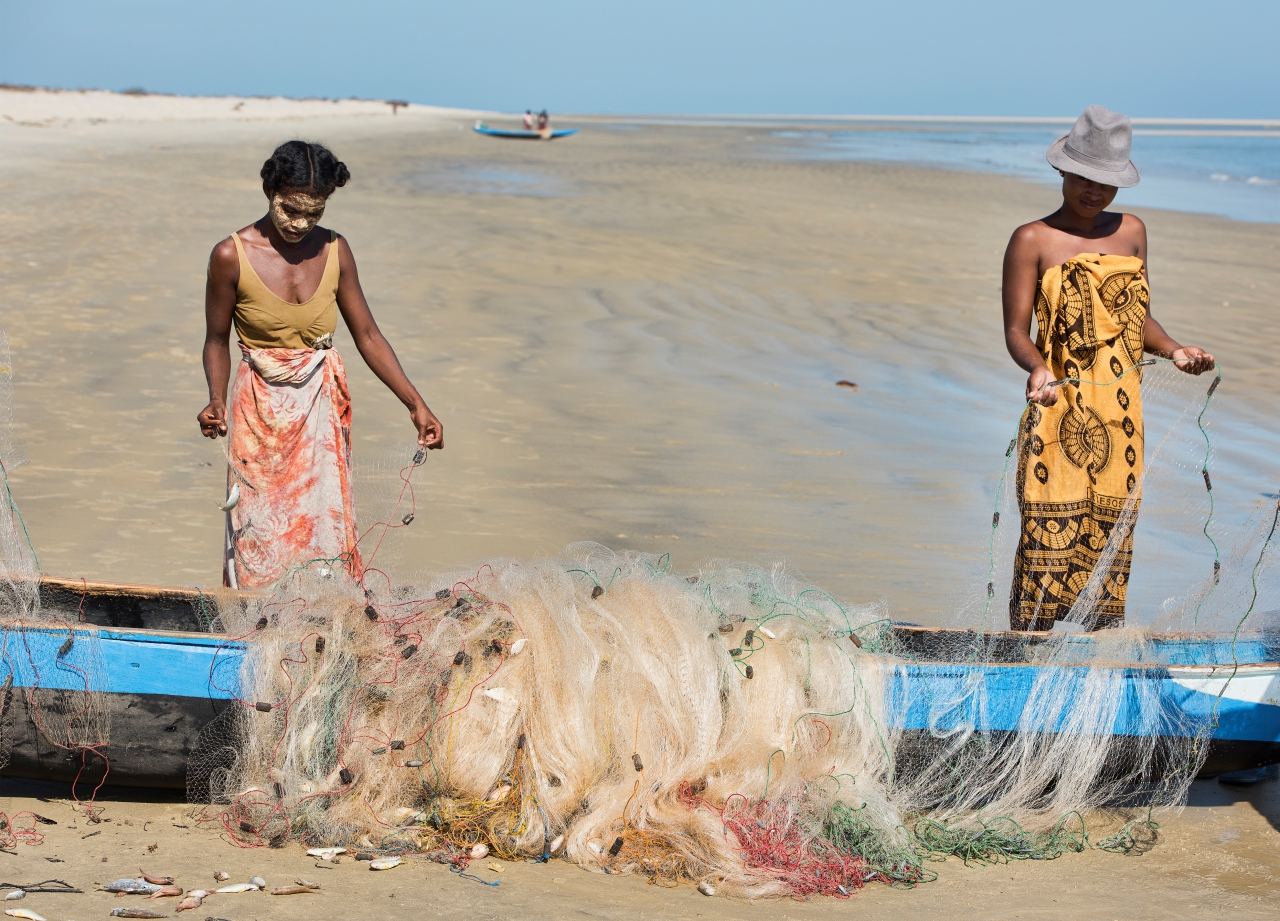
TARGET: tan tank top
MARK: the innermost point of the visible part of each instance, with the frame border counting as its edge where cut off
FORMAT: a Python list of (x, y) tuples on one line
[(264, 320)]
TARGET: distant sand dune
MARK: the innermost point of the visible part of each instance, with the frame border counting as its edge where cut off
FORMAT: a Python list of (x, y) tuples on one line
[(44, 108)]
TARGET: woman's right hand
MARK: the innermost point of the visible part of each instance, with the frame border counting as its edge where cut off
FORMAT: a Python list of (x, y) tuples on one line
[(213, 419), (1038, 389)]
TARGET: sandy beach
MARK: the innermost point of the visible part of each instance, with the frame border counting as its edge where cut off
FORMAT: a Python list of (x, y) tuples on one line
[(632, 336)]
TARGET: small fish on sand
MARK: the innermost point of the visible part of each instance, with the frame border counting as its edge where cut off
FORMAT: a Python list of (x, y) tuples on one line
[(303, 882), (291, 890), (135, 913), (155, 880), (384, 863), (188, 903), (326, 853), (130, 887), (240, 887), (199, 893), (165, 892), (221, 876), (23, 913)]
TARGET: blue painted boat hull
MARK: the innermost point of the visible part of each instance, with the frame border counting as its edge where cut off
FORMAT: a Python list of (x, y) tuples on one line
[(161, 688)]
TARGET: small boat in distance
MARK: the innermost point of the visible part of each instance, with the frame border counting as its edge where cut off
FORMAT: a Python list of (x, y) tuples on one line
[(547, 134)]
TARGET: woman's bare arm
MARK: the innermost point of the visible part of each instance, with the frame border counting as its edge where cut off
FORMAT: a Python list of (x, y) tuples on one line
[(1155, 339), (1018, 294), (219, 304), (377, 351)]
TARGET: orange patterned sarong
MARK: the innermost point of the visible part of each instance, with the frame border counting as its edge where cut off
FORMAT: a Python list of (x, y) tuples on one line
[(290, 455)]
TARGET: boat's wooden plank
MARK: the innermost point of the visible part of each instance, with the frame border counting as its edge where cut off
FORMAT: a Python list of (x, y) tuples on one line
[(121, 604), (150, 741)]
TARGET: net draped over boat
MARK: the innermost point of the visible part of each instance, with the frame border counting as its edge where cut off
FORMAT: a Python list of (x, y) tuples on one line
[(51, 700), (732, 724)]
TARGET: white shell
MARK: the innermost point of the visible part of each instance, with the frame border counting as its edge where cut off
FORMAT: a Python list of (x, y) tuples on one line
[(233, 498), (767, 632), (15, 894), (258, 881), (384, 863), (222, 876), (480, 852), (518, 646), (706, 888)]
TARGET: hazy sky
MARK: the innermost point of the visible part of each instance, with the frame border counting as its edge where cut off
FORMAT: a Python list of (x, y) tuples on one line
[(1143, 57)]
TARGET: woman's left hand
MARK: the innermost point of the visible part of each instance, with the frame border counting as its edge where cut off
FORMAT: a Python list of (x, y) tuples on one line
[(430, 431), (1192, 360)]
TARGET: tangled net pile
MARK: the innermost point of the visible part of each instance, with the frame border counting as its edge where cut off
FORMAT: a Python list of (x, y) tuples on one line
[(730, 726)]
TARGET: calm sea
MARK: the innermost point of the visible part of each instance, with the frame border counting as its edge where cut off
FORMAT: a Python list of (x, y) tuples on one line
[(1233, 171)]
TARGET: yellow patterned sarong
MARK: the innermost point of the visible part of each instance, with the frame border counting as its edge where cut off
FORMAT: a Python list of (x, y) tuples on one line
[(1080, 460)]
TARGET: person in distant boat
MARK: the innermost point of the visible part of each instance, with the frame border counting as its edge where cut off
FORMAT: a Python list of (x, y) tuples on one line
[(1083, 272), (282, 281), (528, 119)]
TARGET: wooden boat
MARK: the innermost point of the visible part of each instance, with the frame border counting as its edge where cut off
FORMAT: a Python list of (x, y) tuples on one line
[(482, 128), (164, 677)]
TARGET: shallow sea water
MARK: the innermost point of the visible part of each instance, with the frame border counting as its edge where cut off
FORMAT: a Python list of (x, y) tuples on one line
[(1234, 173)]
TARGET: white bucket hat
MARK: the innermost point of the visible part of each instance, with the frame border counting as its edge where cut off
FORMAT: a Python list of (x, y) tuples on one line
[(1097, 148)]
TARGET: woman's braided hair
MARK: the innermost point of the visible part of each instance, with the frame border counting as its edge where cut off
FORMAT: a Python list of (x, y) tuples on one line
[(306, 167)]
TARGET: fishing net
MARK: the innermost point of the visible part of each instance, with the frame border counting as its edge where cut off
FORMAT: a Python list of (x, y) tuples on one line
[(733, 725), (53, 674)]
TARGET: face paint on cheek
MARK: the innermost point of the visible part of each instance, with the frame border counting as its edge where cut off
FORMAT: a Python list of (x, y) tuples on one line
[(307, 213)]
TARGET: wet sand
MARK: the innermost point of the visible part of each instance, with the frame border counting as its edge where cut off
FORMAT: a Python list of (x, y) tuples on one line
[(632, 336)]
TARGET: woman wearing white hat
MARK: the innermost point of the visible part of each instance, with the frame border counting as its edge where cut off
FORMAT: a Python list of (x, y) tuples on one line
[(1083, 271)]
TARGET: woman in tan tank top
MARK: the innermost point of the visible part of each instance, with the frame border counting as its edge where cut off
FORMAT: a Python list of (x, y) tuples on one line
[(282, 281)]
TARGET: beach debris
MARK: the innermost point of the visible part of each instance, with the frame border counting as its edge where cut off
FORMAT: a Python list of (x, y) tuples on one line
[(498, 694), (193, 900), (23, 913), (136, 913), (706, 888), (499, 792), (221, 876), (384, 863), (155, 880), (555, 845), (291, 890), (166, 892), (258, 881), (130, 887), (239, 887), (852, 386), (326, 853), (767, 632), (233, 498), (15, 894), (480, 852), (518, 646), (495, 867), (303, 882)]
